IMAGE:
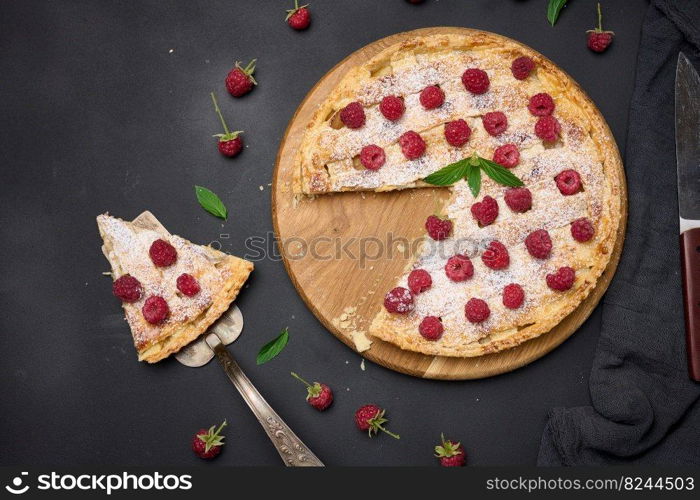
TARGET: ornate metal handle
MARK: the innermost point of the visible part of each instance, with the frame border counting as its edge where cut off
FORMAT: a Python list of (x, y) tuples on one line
[(293, 451)]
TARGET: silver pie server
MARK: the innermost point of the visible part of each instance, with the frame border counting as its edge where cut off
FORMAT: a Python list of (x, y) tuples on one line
[(213, 343)]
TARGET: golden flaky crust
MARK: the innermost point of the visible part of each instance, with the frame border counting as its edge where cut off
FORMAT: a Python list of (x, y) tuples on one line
[(326, 162), (220, 276)]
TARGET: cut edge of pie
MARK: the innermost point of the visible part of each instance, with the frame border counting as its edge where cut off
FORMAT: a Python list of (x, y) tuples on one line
[(222, 276)]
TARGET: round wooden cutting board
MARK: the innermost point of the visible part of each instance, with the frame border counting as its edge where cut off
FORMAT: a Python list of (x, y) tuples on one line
[(321, 241)]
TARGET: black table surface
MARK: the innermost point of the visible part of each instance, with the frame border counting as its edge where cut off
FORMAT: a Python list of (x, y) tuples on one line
[(105, 107)]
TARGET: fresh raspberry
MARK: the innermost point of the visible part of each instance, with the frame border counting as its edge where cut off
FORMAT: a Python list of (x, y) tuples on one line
[(459, 268), (582, 230), (370, 418), (372, 157), (495, 123), (522, 67), (162, 253), (431, 328), (541, 104), (599, 42), (475, 80), (298, 18), (547, 128), (392, 107), (399, 300), (513, 296), (562, 280), (419, 280), (496, 256), (353, 115), (240, 80), (318, 395), (539, 244), (568, 182), (451, 454), (432, 97), (485, 211), (438, 229), (476, 310), (597, 39), (231, 147), (412, 145), (127, 288), (188, 284), (208, 443), (507, 155), (457, 133), (155, 309), (518, 199)]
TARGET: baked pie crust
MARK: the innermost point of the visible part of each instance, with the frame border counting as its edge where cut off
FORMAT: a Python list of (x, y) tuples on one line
[(220, 277), (327, 161)]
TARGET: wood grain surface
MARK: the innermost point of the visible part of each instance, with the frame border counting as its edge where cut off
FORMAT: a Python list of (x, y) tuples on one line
[(322, 242)]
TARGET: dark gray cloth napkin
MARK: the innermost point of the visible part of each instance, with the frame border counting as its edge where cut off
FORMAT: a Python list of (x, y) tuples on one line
[(644, 409)]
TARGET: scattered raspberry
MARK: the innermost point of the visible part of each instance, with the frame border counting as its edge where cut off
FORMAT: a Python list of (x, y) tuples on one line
[(541, 104), (507, 155), (318, 395), (162, 253), (539, 244), (399, 300), (412, 145), (582, 230), (127, 288), (372, 157), (240, 80), (459, 268), (522, 67), (475, 80), (568, 182), (188, 284), (207, 443), (451, 454), (597, 39), (496, 256), (431, 328), (231, 147), (155, 309), (432, 97), (392, 107), (547, 128), (298, 18), (495, 123), (370, 418), (513, 296), (438, 229), (518, 199), (476, 311), (485, 211), (419, 280), (562, 280), (353, 115), (457, 133), (230, 143)]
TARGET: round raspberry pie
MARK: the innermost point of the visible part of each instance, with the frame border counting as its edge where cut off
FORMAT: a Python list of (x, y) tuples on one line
[(537, 250)]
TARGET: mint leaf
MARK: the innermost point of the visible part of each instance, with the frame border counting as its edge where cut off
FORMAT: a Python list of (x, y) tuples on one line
[(553, 9), (210, 202), (474, 180), (273, 348), (450, 174), (499, 173)]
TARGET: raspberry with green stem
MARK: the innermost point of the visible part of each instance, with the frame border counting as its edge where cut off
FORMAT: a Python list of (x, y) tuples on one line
[(319, 395), (599, 40), (208, 443), (230, 144), (370, 418), (451, 454)]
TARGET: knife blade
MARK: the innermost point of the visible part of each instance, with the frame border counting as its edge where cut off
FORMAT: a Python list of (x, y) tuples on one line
[(687, 107)]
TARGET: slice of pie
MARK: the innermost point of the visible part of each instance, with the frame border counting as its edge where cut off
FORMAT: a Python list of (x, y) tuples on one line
[(171, 289), (505, 266)]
